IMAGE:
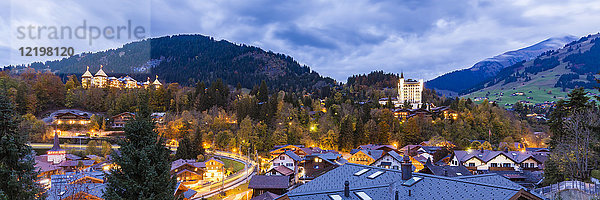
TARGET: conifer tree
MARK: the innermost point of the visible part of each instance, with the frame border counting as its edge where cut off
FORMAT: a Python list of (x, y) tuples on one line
[(143, 171), (16, 159)]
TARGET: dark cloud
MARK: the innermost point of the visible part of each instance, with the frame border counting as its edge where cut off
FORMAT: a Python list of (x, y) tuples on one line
[(422, 38)]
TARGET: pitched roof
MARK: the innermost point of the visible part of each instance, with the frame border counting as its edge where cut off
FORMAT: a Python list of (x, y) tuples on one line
[(61, 187), (101, 72), (283, 170), (87, 73), (72, 157), (74, 163), (446, 170), (156, 82), (291, 154), (386, 184), (265, 196), (178, 163), (269, 182), (392, 154), (487, 155), (374, 154), (43, 166)]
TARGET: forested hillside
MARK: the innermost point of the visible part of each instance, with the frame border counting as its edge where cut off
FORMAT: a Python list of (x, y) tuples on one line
[(189, 59)]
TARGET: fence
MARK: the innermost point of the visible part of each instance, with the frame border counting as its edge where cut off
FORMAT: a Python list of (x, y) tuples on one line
[(588, 188)]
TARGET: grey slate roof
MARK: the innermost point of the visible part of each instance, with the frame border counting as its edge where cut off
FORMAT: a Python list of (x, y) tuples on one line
[(385, 185), (61, 189), (446, 170), (269, 182), (375, 154), (265, 196), (293, 155), (392, 154), (487, 155)]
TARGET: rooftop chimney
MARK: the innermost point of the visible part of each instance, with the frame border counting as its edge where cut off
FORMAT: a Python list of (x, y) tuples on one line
[(506, 149), (481, 149), (347, 189), (397, 197), (409, 193), (406, 167)]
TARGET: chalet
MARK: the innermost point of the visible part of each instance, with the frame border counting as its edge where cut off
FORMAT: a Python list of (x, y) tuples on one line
[(359, 182), (390, 160), (188, 171), (214, 169), (484, 160), (192, 172), (402, 114), (71, 118), (121, 119), (364, 157), (315, 165), (289, 160), (445, 112), (280, 171), (274, 184)]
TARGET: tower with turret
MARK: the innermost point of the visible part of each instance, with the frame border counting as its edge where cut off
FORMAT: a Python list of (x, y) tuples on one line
[(56, 155), (86, 78)]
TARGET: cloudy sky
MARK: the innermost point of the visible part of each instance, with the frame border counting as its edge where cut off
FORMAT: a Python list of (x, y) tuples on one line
[(421, 38)]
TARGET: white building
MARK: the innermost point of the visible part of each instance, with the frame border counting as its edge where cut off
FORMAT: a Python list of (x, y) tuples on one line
[(410, 91), (483, 160)]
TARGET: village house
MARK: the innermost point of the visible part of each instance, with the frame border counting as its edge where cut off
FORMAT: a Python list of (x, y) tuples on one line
[(364, 156), (121, 119), (188, 171), (289, 160), (484, 160), (71, 118), (316, 164), (393, 160), (279, 149), (192, 172)]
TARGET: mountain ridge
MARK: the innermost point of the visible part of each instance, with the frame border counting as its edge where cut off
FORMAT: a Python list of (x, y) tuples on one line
[(455, 82), (191, 58)]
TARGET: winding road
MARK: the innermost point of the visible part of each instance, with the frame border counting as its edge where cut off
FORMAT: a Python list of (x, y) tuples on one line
[(231, 181)]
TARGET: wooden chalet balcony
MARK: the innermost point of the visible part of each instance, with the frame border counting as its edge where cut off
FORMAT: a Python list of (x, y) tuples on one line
[(502, 169), (472, 168)]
